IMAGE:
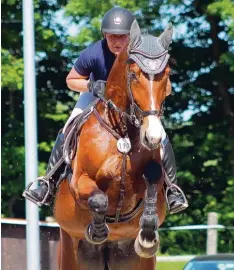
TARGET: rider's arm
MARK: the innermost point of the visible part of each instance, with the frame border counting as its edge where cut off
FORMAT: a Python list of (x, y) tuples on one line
[(77, 78), (76, 81)]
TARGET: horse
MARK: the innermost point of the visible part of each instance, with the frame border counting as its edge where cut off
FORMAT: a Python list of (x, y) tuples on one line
[(110, 210)]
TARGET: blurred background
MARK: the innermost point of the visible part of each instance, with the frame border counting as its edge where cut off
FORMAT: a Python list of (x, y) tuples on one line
[(199, 116)]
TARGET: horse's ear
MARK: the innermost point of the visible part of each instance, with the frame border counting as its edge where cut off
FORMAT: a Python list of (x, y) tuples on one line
[(135, 36), (166, 37)]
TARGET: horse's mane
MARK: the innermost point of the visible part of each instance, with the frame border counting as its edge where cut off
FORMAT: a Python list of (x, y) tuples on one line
[(117, 77)]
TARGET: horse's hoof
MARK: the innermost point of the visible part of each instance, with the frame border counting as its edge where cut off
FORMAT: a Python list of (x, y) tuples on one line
[(146, 249), (93, 237)]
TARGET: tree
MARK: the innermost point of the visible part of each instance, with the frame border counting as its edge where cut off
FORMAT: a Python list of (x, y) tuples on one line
[(51, 69), (204, 83)]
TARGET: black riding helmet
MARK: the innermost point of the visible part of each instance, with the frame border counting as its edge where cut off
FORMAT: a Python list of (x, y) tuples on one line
[(117, 21)]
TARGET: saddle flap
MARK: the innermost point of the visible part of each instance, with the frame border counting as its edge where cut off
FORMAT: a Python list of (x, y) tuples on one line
[(72, 131)]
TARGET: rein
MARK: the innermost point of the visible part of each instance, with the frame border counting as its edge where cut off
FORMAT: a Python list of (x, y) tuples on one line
[(130, 117)]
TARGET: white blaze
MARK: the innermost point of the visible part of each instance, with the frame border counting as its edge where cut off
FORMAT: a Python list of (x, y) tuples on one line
[(152, 107), (155, 132), (155, 129)]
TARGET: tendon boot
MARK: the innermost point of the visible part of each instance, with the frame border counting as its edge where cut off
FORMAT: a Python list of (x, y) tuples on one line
[(176, 200), (43, 195)]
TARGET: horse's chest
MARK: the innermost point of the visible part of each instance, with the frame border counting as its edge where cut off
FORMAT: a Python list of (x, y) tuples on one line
[(116, 166), (117, 173)]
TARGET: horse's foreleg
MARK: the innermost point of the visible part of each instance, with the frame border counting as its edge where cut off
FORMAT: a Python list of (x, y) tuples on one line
[(97, 231), (147, 241)]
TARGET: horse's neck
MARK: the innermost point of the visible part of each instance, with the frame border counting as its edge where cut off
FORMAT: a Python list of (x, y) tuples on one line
[(116, 91), (116, 88)]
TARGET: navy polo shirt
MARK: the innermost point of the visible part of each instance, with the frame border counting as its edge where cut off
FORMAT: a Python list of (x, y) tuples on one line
[(95, 61)]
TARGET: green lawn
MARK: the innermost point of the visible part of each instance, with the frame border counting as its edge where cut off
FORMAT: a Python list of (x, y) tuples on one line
[(170, 265)]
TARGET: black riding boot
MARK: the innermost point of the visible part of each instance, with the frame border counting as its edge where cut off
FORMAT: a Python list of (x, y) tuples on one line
[(43, 195), (175, 197)]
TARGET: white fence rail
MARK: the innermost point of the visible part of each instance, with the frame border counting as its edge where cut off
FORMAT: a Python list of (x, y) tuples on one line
[(182, 258), (212, 234)]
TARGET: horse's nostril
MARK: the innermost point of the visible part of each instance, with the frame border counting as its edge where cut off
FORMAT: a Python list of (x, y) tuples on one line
[(150, 142), (146, 139)]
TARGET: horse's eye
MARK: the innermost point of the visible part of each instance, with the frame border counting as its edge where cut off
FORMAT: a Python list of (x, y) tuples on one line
[(133, 76)]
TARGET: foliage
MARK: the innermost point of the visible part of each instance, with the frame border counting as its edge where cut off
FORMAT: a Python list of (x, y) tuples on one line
[(51, 69), (199, 118), (12, 71), (170, 265), (224, 9)]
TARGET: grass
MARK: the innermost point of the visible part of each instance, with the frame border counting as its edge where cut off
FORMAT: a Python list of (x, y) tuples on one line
[(170, 265)]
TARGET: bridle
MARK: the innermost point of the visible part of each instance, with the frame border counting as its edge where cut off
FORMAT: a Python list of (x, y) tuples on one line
[(134, 108), (136, 114)]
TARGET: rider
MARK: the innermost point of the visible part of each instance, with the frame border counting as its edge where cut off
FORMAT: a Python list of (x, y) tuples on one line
[(93, 64)]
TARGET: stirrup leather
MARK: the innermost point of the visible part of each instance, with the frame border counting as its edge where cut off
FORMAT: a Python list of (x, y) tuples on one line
[(29, 196), (181, 207)]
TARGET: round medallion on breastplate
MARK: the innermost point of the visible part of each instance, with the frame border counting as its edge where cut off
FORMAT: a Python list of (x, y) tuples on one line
[(124, 145)]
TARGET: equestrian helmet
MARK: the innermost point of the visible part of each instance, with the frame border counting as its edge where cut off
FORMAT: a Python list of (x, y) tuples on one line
[(117, 21)]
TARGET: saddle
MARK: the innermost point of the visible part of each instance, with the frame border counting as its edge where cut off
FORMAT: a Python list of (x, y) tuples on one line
[(72, 131)]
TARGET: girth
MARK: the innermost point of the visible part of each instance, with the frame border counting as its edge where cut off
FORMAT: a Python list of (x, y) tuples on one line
[(128, 216)]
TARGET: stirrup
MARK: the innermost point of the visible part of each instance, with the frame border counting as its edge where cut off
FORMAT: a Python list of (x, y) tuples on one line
[(181, 207), (29, 196)]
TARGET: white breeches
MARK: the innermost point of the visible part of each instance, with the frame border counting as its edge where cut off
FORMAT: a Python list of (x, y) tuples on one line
[(83, 102)]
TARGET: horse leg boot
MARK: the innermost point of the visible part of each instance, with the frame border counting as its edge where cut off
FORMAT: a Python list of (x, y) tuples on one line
[(176, 200), (147, 241), (44, 193), (97, 231)]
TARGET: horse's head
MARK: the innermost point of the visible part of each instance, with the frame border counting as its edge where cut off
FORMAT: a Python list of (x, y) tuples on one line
[(139, 81), (148, 81)]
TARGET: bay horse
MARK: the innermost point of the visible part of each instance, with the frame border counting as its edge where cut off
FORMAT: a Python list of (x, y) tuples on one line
[(110, 210)]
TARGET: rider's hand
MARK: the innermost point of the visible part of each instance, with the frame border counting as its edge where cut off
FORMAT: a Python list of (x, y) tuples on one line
[(97, 88)]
